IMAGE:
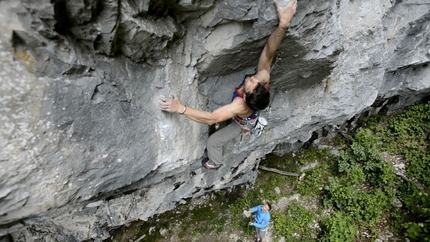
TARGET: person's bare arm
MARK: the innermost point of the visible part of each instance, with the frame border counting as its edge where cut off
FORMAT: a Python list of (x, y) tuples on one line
[(221, 114), (285, 16)]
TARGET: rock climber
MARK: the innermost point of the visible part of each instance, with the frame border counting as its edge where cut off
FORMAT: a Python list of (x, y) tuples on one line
[(249, 97)]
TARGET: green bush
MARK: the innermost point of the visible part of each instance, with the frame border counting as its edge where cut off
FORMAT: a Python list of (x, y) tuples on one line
[(353, 170), (338, 228), (366, 206), (417, 203), (363, 164), (316, 177), (314, 181), (407, 135), (295, 223), (410, 132), (313, 154), (363, 186)]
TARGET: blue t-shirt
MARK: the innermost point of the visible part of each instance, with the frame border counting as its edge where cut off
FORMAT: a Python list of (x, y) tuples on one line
[(261, 218)]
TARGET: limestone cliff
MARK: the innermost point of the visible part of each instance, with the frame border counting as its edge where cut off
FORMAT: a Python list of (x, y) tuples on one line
[(84, 147)]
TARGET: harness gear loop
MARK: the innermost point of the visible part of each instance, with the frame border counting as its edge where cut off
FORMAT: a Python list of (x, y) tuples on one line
[(246, 125)]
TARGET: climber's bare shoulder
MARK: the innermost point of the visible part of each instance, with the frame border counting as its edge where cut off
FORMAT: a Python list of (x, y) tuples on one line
[(236, 108), (241, 108)]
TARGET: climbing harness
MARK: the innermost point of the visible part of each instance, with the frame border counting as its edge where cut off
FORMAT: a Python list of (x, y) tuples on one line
[(253, 126)]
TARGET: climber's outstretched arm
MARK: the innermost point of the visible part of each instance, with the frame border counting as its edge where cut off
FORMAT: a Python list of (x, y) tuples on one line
[(237, 107), (285, 16)]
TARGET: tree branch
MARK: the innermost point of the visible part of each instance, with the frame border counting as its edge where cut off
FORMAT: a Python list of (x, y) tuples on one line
[(278, 171)]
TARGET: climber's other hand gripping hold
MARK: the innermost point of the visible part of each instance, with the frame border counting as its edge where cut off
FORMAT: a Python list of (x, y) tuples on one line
[(171, 105), (226, 112)]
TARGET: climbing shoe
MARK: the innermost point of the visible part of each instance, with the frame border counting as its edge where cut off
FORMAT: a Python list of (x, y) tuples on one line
[(210, 165)]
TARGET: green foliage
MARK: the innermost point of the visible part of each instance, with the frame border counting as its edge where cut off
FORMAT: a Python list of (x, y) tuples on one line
[(417, 230), (417, 202), (338, 141), (354, 171), (338, 228), (246, 201), (196, 233), (366, 206), (407, 134), (295, 223), (314, 180), (366, 183), (313, 154), (363, 163)]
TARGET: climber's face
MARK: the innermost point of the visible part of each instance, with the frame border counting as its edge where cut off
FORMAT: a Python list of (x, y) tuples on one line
[(250, 84)]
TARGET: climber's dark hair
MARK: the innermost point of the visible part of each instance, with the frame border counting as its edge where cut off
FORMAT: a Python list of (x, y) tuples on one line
[(259, 99)]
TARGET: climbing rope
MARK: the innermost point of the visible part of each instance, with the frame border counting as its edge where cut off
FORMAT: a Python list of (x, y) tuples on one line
[(277, 58)]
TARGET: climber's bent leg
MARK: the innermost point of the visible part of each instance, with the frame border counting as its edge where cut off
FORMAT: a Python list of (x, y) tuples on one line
[(218, 139)]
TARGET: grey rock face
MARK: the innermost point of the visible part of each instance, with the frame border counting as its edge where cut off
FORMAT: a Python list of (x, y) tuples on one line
[(84, 147)]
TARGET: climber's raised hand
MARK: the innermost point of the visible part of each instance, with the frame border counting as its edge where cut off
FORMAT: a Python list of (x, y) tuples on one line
[(286, 14)]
